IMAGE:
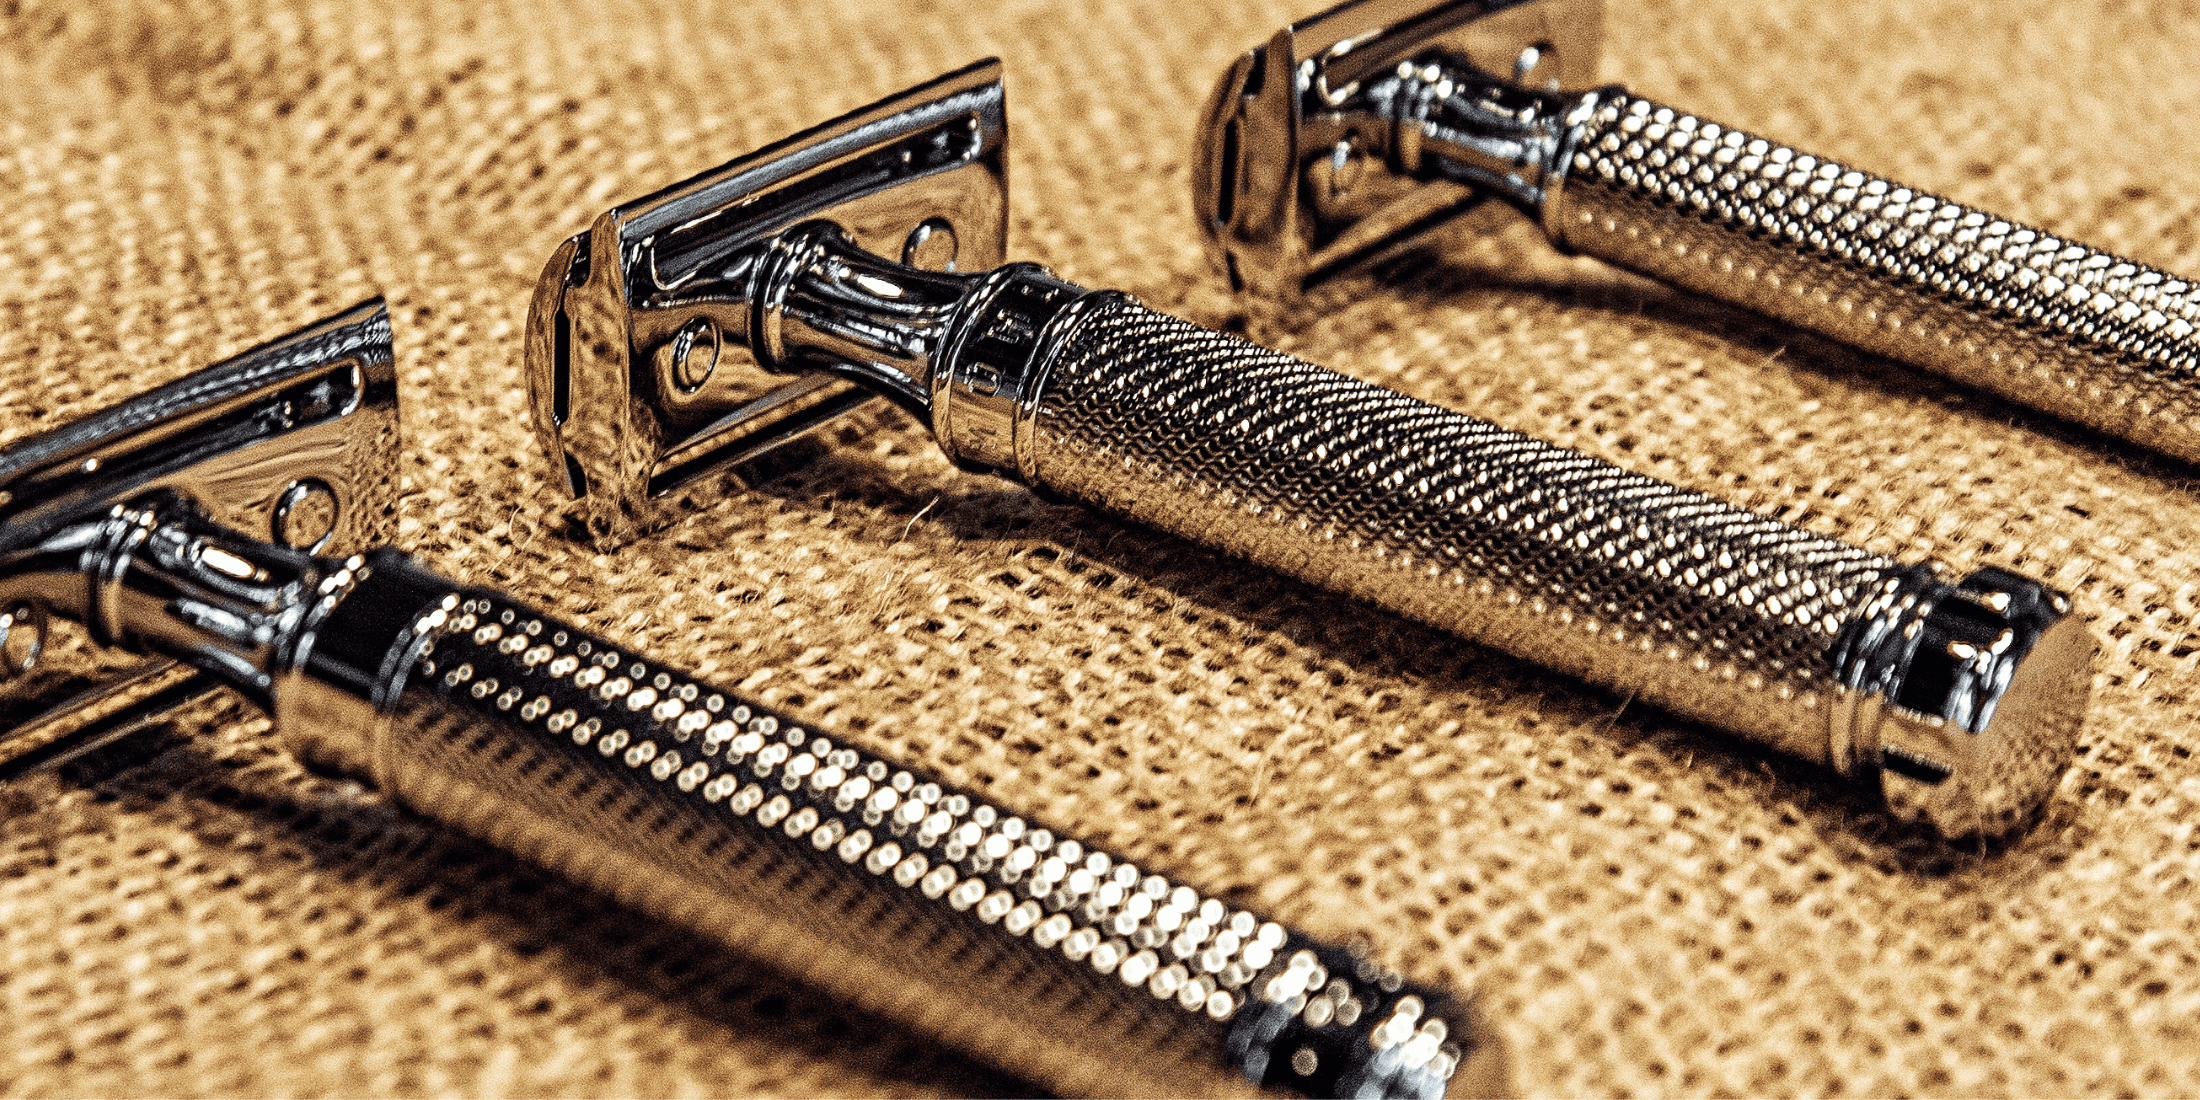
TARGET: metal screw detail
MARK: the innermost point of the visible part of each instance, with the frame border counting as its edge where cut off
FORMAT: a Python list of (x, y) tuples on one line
[(305, 515), (22, 639), (931, 245)]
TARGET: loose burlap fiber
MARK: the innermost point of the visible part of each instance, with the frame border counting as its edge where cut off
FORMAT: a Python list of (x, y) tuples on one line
[(1643, 906)]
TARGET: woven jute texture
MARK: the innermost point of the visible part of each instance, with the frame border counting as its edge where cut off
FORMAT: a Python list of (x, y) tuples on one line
[(1643, 906)]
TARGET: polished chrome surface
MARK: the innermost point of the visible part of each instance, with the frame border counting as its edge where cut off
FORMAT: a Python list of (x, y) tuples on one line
[(1969, 696), (295, 439), (641, 365), (2044, 321), (22, 639), (318, 405), (1662, 593), (1308, 155), (825, 304)]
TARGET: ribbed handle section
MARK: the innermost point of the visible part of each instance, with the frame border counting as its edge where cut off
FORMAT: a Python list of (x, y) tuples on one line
[(2043, 321), (894, 891), (1665, 594)]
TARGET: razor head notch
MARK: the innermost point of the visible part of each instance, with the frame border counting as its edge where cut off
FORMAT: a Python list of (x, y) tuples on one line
[(647, 351), (1296, 175)]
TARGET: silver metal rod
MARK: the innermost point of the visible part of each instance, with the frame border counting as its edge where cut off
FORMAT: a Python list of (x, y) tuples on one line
[(1960, 697), (2041, 320)]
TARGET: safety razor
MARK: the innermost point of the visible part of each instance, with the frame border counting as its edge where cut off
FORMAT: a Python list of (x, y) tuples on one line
[(700, 325), (1355, 130), (189, 526)]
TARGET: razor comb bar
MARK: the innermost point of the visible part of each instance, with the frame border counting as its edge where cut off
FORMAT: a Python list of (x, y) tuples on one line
[(1389, 105), (1961, 698), (903, 895)]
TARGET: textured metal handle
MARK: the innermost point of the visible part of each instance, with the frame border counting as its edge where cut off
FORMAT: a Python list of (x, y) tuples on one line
[(1571, 562), (2044, 321), (1654, 590), (900, 894)]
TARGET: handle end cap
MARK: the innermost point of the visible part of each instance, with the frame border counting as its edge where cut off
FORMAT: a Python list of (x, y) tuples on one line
[(1983, 716)]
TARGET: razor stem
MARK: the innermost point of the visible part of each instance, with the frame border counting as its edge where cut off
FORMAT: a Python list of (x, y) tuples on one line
[(903, 895), (2070, 330), (1801, 642)]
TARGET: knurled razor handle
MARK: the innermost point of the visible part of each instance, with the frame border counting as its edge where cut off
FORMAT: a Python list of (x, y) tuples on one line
[(878, 884), (2049, 323), (1398, 112), (1964, 696), (909, 897)]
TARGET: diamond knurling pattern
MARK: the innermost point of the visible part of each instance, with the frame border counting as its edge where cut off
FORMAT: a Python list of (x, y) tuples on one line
[(1661, 592), (910, 898), (2042, 320)]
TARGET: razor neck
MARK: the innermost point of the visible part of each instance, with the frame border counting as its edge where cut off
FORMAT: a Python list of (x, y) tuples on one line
[(1440, 117), (966, 353), (321, 645), (158, 576), (822, 303)]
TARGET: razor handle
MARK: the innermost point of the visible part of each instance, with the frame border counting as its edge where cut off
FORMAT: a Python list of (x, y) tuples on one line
[(2043, 321), (2038, 319), (905, 896), (1798, 641)]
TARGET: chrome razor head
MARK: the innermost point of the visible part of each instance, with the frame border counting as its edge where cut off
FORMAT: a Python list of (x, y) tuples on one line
[(294, 441), (642, 371), (1289, 187)]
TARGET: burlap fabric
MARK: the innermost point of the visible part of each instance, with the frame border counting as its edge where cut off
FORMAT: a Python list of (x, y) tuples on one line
[(1644, 906)]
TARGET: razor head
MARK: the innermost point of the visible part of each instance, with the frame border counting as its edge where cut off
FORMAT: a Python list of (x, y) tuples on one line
[(1285, 188), (294, 442), (644, 380)]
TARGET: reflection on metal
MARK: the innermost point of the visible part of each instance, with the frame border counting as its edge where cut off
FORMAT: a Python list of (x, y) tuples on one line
[(306, 514), (297, 438), (22, 639), (667, 284), (99, 716), (1311, 151), (931, 245)]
